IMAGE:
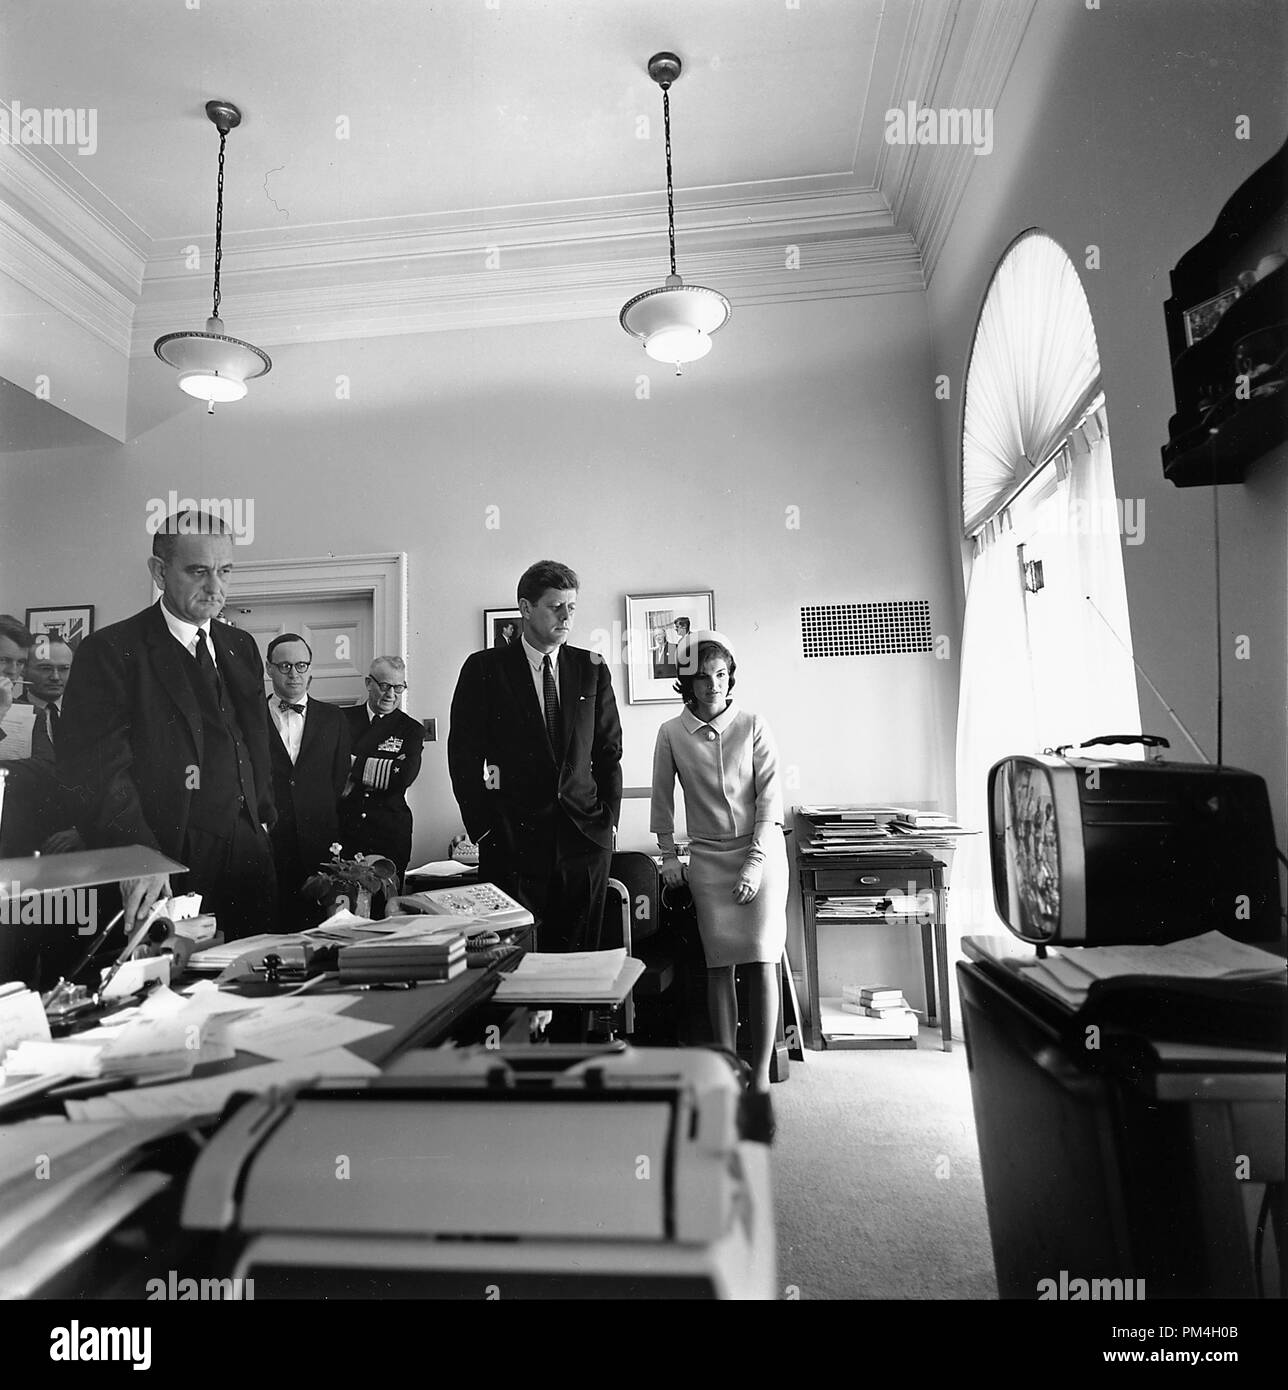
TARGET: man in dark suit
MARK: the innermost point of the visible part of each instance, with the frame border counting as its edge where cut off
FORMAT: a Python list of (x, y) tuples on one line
[(309, 744), (386, 746), (164, 736), (535, 752)]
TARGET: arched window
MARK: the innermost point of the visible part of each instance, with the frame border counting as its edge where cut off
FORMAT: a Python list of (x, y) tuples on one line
[(1046, 641)]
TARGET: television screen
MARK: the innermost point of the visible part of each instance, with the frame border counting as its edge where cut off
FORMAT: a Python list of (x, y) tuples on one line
[(1026, 880), (1091, 852)]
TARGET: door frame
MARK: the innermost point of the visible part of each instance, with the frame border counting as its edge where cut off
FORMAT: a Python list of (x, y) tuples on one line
[(380, 577)]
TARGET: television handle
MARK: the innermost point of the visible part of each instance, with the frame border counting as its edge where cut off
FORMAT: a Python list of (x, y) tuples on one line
[(1147, 740)]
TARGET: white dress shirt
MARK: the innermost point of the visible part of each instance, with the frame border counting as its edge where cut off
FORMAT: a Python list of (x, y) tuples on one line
[(290, 724), (186, 633), (536, 661)]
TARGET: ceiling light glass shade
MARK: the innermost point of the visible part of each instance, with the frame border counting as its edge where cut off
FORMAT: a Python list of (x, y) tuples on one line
[(211, 365), (676, 321)]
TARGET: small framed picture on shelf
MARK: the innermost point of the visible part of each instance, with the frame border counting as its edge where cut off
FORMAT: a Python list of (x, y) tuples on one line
[(1203, 318), (67, 625), (655, 625), (501, 627)]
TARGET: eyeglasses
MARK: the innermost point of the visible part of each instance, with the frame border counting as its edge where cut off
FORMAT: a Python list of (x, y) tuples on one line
[(286, 667), (385, 687)]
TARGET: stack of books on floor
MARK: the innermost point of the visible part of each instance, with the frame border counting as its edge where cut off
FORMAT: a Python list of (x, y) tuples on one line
[(416, 952), (868, 1011)]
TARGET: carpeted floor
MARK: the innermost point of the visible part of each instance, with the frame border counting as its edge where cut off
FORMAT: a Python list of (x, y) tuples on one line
[(877, 1187)]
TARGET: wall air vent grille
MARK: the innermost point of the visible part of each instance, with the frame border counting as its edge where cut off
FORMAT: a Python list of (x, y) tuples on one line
[(866, 629)]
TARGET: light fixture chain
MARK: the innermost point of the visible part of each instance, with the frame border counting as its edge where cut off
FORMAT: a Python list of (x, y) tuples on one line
[(670, 194), (219, 220)]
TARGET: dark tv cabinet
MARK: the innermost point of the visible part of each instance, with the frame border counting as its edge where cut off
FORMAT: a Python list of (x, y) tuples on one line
[(1227, 335), (1125, 1165)]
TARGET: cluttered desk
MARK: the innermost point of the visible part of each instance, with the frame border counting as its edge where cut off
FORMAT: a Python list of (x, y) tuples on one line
[(152, 1103)]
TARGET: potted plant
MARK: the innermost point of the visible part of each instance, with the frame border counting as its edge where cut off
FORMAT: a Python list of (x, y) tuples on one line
[(361, 884)]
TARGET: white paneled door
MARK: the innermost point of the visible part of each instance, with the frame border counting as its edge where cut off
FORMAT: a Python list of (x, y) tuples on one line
[(338, 629)]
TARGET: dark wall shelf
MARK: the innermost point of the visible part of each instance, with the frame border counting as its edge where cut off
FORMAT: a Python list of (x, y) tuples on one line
[(1231, 384)]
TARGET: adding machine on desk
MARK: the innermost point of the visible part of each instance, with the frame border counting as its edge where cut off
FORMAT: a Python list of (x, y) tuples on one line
[(539, 1173)]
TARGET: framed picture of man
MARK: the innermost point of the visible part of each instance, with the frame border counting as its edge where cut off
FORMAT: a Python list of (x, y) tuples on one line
[(655, 625), (62, 624), (501, 627)]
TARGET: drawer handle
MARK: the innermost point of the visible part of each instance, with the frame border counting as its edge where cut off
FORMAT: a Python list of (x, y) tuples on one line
[(869, 878)]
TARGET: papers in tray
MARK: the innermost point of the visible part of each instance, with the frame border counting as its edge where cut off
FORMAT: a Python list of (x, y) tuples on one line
[(570, 975)]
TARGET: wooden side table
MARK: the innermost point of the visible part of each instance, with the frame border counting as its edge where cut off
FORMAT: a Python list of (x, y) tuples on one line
[(874, 874)]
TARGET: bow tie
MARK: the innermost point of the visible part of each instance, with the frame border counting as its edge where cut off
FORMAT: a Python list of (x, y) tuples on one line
[(299, 709)]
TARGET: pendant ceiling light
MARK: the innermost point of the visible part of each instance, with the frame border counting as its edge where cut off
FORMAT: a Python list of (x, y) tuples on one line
[(676, 321), (212, 366)]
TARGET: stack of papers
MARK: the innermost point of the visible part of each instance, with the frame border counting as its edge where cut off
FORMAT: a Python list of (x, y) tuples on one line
[(215, 959), (169, 1035), (572, 975), (1070, 973)]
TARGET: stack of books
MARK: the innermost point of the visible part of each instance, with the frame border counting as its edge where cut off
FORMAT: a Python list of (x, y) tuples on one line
[(414, 953), (878, 1011)]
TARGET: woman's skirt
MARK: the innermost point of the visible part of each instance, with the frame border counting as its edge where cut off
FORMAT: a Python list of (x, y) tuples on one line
[(736, 933)]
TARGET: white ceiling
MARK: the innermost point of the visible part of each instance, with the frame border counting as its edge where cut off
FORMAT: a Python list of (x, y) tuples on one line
[(473, 124)]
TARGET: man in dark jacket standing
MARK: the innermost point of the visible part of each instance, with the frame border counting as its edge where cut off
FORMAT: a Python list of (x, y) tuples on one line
[(164, 736), (386, 745), (309, 742), (535, 752)]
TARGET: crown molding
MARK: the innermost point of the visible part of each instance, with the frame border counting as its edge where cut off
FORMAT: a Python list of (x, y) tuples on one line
[(456, 292), (937, 175), (73, 212), (56, 275)]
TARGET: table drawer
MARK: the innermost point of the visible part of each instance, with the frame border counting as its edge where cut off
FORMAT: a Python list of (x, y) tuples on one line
[(885, 880)]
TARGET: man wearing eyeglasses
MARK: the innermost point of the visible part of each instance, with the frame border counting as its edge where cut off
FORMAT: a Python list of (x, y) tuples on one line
[(309, 744), (387, 748)]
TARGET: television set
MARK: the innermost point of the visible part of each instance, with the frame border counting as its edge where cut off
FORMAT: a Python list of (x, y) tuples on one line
[(1096, 851)]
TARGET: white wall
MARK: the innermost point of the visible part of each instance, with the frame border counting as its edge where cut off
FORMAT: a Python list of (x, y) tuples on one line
[(814, 405)]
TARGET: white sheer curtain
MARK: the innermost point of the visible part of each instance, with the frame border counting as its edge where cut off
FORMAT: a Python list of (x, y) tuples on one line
[(996, 716), (1084, 681), (1034, 370), (1045, 668)]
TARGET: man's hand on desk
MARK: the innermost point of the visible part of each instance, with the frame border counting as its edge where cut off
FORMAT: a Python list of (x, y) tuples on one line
[(138, 896)]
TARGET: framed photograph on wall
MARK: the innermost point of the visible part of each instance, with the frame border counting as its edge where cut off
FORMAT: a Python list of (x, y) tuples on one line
[(655, 623), (66, 624), (501, 627)]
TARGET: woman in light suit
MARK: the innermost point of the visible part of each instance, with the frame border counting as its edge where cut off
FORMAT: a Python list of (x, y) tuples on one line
[(727, 764)]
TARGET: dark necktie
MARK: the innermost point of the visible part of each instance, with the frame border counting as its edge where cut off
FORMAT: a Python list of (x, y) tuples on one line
[(299, 709), (550, 699), (206, 666), (51, 711)]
